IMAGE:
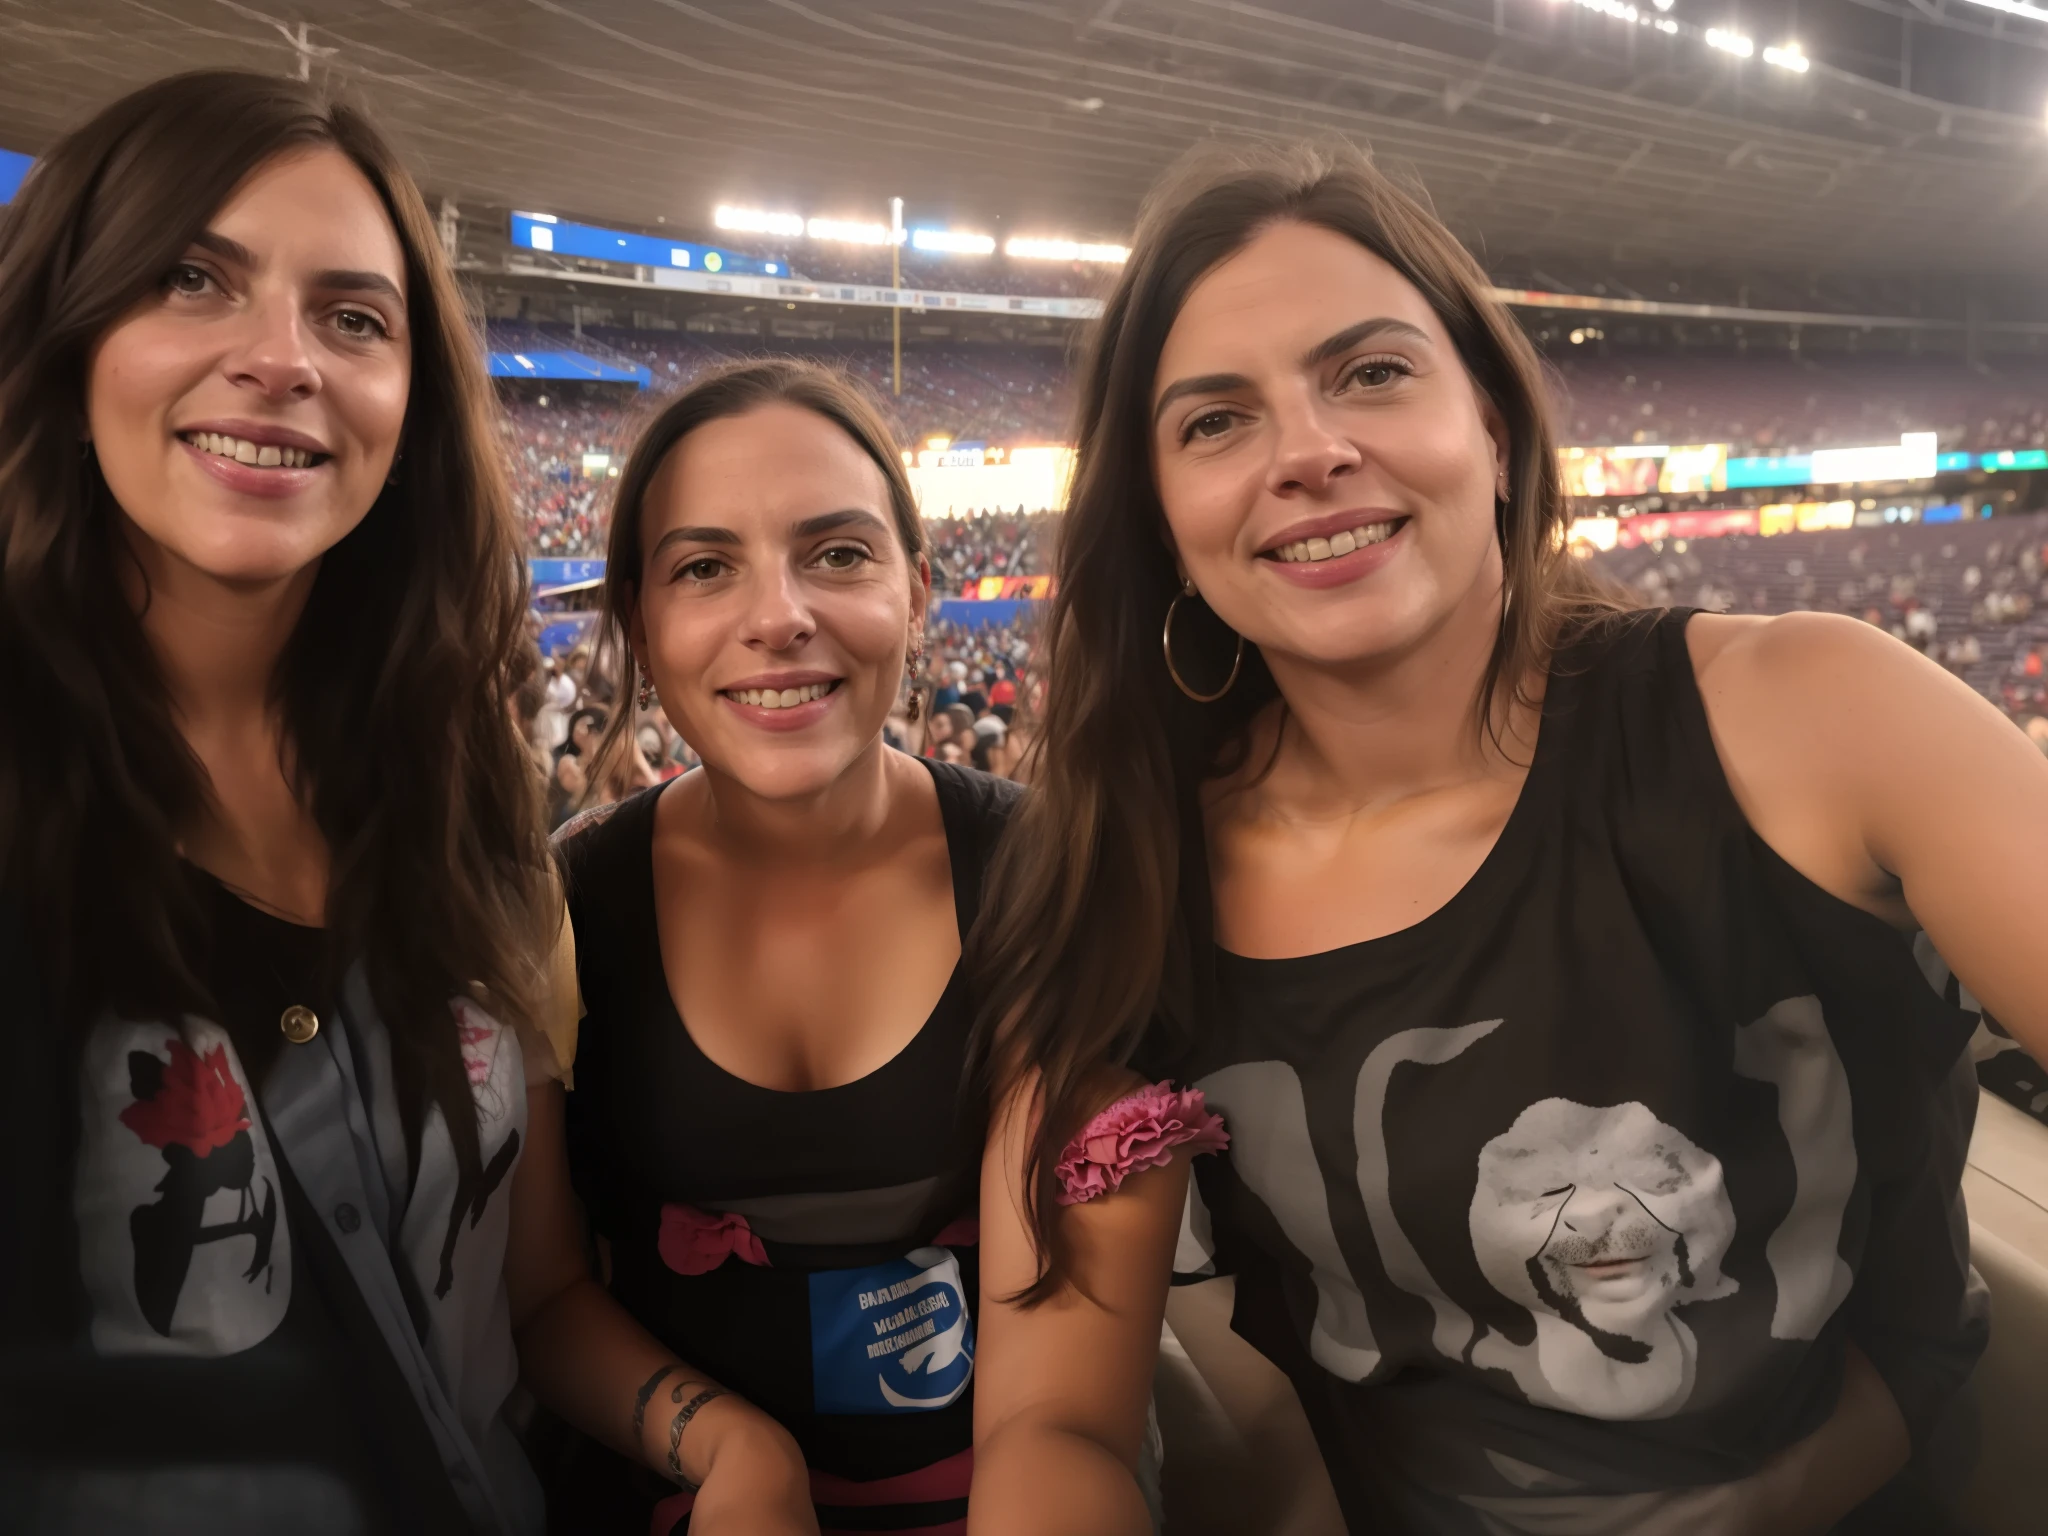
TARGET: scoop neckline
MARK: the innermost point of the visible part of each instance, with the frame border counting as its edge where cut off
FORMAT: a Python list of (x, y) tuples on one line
[(1532, 801), (657, 963)]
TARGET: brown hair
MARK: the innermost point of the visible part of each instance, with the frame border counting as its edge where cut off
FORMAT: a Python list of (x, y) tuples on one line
[(393, 687), (1082, 940), (731, 390)]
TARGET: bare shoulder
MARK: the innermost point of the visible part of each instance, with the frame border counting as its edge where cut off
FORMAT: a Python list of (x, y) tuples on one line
[(1826, 727)]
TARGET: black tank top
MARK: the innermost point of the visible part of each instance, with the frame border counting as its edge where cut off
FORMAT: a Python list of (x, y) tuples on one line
[(1577, 1187), (812, 1251)]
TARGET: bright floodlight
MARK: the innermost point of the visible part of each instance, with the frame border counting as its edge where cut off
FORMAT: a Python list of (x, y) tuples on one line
[(952, 242), (849, 232), (1730, 42), (1066, 250), (2015, 8), (754, 221), (1788, 57)]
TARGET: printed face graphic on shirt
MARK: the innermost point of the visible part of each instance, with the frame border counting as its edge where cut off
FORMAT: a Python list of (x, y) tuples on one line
[(1600, 1221)]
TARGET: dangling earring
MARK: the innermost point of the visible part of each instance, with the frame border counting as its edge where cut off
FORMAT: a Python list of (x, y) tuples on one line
[(647, 695), (1166, 645), (911, 668)]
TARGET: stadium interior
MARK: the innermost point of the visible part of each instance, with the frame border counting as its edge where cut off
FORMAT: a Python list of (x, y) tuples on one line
[(1787, 266)]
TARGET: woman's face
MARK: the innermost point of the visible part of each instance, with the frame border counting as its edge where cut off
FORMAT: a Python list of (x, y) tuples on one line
[(776, 609), (1326, 465), (584, 733), (246, 414)]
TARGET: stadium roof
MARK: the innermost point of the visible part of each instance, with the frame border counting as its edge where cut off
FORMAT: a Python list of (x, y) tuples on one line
[(1542, 129)]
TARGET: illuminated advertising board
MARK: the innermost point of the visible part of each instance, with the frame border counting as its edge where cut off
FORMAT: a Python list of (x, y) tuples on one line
[(1712, 523), (1609, 471), (13, 167), (1690, 470), (545, 232), (995, 589)]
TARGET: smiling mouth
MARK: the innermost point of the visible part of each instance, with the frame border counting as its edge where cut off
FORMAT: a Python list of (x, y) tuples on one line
[(1314, 551), (781, 698), (258, 455)]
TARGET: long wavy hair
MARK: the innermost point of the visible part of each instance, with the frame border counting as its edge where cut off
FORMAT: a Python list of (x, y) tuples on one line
[(393, 689), (1084, 938)]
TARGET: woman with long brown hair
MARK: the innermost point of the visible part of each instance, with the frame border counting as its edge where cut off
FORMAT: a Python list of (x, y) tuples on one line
[(1569, 977), (277, 894), (767, 1131)]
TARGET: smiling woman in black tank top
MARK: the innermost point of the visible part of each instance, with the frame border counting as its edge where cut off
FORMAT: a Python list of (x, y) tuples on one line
[(767, 1132), (1594, 1093)]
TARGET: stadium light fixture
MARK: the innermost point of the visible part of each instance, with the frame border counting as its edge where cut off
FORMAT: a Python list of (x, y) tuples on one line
[(1730, 42), (2015, 8), (1788, 57), (850, 232), (1066, 250), (754, 221), (952, 242)]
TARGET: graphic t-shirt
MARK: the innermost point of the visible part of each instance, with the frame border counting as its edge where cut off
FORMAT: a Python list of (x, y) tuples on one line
[(1573, 1193), (816, 1252), (199, 1240)]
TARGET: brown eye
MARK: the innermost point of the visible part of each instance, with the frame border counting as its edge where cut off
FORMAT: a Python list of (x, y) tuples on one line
[(187, 280), (844, 557), (1215, 424), (706, 569), (358, 323)]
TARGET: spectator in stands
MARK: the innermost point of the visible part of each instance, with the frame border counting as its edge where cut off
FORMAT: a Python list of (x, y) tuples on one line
[(272, 843), (954, 685), (573, 787), (1316, 453), (974, 697), (766, 576)]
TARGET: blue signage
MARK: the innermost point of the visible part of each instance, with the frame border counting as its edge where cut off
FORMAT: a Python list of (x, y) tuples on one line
[(545, 232), (563, 573), (13, 167), (566, 365), (1782, 469)]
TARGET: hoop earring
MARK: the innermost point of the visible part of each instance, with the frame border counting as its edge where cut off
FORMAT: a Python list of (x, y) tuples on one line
[(1166, 646)]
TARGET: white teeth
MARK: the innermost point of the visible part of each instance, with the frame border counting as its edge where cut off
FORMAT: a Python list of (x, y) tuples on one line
[(263, 456), (1314, 550), (780, 698)]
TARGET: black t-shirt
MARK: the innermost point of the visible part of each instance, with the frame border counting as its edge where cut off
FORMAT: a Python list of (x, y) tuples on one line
[(812, 1251), (363, 1419), (1575, 1191)]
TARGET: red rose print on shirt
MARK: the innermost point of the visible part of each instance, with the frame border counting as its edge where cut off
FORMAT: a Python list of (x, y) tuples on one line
[(192, 1110), (199, 1105)]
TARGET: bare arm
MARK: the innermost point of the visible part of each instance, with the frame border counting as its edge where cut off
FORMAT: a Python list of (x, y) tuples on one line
[(589, 1362), (1061, 1390), (1893, 785)]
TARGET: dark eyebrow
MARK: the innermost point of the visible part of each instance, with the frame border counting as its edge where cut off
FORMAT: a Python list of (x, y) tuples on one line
[(1202, 384), (825, 522), (1365, 330), (222, 246), (341, 279), (693, 536), (1321, 352)]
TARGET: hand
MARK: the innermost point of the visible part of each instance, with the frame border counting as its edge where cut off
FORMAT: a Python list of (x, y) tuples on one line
[(755, 1481)]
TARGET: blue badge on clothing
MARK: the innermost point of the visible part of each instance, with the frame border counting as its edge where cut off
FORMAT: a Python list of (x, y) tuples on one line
[(892, 1338)]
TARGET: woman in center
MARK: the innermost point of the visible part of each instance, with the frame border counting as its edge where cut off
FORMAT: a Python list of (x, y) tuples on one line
[(768, 1132)]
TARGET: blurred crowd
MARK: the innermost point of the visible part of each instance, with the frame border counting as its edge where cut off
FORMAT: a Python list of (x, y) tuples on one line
[(1972, 596), (968, 548)]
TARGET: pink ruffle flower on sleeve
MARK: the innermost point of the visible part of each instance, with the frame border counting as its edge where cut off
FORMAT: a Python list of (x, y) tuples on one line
[(1140, 1130)]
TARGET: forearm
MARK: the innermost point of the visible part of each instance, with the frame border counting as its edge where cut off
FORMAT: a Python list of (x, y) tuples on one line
[(594, 1367), (1037, 1479)]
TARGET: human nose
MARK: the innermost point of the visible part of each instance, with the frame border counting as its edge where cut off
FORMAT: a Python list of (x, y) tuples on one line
[(1309, 451), (1592, 1209), (777, 618), (273, 353)]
